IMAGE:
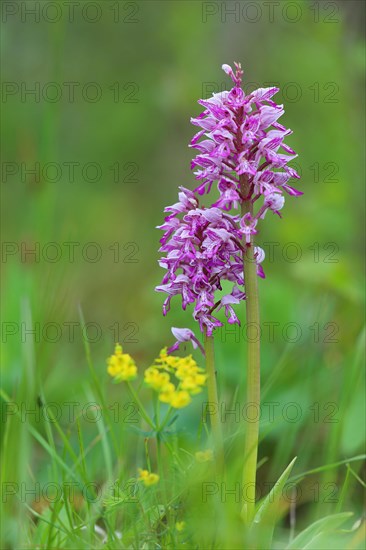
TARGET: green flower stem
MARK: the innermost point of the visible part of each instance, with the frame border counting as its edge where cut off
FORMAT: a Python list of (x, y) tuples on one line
[(142, 410), (157, 411), (253, 369), (166, 419), (159, 461), (158, 435), (213, 403)]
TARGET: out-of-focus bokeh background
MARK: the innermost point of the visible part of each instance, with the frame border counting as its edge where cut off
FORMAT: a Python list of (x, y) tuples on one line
[(96, 103)]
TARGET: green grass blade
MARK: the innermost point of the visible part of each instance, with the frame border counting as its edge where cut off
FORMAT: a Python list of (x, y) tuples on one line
[(267, 512), (329, 523)]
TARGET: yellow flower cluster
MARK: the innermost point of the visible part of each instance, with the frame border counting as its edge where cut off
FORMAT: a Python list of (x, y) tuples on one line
[(121, 365), (147, 478), (187, 373)]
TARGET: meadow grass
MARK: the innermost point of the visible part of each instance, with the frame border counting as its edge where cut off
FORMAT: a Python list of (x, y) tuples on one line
[(75, 484), (71, 441)]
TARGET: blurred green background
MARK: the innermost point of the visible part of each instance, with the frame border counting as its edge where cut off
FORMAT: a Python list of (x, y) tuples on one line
[(136, 73)]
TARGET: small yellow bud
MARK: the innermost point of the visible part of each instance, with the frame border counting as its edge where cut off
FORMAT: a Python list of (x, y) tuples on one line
[(118, 349), (121, 365), (204, 456), (147, 478)]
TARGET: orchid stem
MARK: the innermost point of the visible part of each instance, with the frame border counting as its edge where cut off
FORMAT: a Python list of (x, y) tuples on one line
[(213, 404), (253, 374)]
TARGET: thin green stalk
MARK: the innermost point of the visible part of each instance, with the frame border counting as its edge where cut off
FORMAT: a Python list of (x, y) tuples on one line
[(253, 369), (213, 405), (159, 458), (142, 410), (158, 436), (166, 419)]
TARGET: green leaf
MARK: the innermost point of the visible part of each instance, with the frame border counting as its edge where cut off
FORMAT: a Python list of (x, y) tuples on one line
[(267, 513), (328, 523)]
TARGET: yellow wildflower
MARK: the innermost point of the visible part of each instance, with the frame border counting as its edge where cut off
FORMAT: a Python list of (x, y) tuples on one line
[(155, 379), (204, 456), (193, 383), (166, 393), (165, 361), (148, 478), (187, 366), (187, 372), (163, 356), (180, 526), (150, 374), (121, 365), (180, 399)]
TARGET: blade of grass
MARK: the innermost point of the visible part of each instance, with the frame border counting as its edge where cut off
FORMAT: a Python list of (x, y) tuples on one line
[(96, 383), (344, 490), (54, 455), (327, 467)]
